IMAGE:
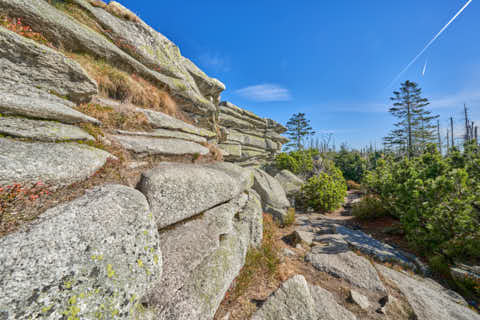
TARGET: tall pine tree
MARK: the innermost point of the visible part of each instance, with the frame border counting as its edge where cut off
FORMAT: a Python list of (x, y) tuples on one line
[(298, 129), (415, 128)]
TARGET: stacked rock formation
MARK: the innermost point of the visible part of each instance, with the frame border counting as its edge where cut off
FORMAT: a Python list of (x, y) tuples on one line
[(248, 138), (168, 251)]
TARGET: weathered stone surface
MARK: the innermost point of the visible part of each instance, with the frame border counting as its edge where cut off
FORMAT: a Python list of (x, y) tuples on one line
[(93, 257), (178, 191), (145, 146), (303, 236), (164, 121), (162, 133), (289, 182), (58, 164), (208, 86), (252, 217), (26, 62), (428, 300), (41, 130), (34, 103), (68, 33), (368, 245), (188, 243), (273, 196), (359, 299), (348, 266), (296, 299), (247, 135), (206, 286)]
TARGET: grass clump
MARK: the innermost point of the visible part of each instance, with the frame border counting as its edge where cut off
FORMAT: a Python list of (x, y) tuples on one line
[(262, 261), (289, 218)]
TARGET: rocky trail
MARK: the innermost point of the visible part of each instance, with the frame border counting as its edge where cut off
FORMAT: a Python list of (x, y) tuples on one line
[(336, 272)]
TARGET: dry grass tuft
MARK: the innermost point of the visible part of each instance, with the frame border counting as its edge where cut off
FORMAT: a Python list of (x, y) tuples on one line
[(262, 261), (215, 152), (120, 12), (123, 118), (290, 218), (79, 14), (128, 88), (98, 4)]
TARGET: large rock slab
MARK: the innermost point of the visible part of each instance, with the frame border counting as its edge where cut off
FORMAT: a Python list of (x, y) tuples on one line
[(146, 146), (152, 49), (290, 182), (163, 133), (68, 33), (91, 258), (274, 199), (178, 191), (204, 282), (56, 164), (368, 245), (428, 299), (34, 103), (164, 121), (26, 62), (186, 244), (348, 266), (49, 131), (296, 299)]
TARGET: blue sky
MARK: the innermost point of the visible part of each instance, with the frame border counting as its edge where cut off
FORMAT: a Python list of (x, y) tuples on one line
[(332, 60)]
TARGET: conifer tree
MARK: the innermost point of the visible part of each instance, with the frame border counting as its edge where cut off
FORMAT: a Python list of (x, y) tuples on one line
[(298, 129), (415, 128)]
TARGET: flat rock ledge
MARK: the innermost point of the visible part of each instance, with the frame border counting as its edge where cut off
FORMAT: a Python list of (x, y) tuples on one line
[(349, 266), (92, 258), (147, 146), (179, 191), (48, 131), (56, 164), (428, 299), (296, 299)]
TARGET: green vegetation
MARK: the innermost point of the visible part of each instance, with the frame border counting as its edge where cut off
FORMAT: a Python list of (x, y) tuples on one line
[(324, 192), (298, 129), (300, 162), (436, 198)]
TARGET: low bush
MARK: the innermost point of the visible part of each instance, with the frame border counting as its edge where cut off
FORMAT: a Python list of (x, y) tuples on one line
[(369, 207), (323, 192), (436, 199), (300, 162)]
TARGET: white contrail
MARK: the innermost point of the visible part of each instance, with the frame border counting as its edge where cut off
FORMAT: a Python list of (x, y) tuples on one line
[(429, 44), (424, 68)]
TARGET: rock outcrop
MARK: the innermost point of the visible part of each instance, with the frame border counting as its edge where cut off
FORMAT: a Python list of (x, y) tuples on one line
[(90, 258), (57, 164), (248, 138), (289, 182), (273, 196)]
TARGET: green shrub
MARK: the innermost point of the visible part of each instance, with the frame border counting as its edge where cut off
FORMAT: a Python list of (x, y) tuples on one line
[(351, 163), (436, 198), (299, 162), (369, 207), (324, 192)]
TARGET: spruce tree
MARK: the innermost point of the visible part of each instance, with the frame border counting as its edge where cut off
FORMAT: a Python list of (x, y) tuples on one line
[(298, 129), (415, 128)]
